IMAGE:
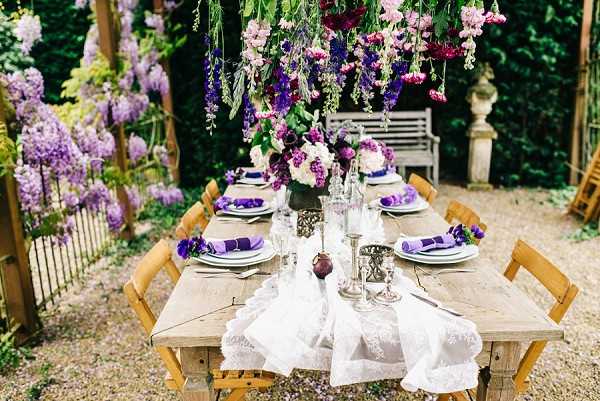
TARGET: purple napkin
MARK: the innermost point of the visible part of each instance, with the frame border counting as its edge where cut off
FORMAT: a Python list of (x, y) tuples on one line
[(248, 202), (409, 196), (224, 202), (253, 174), (221, 247), (425, 244), (379, 173)]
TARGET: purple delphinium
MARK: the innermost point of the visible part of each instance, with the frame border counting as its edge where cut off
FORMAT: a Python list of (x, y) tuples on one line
[(392, 91), (279, 167), (194, 246), (338, 53), (249, 116), (114, 216), (212, 83), (367, 77), (136, 148), (283, 94)]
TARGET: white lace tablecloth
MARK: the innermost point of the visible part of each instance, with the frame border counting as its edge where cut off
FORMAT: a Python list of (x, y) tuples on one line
[(296, 320)]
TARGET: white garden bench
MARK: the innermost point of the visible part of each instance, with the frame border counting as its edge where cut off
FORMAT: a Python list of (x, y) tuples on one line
[(408, 133)]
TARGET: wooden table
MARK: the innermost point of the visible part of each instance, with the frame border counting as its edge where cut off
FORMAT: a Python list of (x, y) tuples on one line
[(193, 319)]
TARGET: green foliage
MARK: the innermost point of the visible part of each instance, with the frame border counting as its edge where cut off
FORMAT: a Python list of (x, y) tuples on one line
[(587, 232), (11, 57), (34, 392), (167, 216), (9, 354), (561, 197), (63, 34)]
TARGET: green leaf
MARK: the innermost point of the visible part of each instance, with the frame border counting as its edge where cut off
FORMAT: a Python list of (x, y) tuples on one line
[(248, 8), (440, 22)]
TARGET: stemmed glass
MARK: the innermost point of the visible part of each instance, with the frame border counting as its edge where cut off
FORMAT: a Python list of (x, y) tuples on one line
[(388, 296), (363, 304)]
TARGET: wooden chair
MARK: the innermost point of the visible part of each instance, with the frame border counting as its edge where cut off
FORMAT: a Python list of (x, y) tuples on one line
[(456, 211), (211, 193), (561, 288), (192, 218), (409, 133), (425, 189), (159, 257)]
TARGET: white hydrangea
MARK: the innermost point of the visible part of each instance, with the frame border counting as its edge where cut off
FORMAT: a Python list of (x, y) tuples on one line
[(28, 30), (259, 160), (303, 174), (370, 160)]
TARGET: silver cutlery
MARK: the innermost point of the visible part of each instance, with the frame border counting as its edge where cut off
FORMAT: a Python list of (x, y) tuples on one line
[(435, 305), (224, 273), (403, 216), (437, 272), (238, 219)]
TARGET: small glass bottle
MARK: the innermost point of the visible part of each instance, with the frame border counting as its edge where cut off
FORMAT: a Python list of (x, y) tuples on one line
[(337, 203), (355, 199)]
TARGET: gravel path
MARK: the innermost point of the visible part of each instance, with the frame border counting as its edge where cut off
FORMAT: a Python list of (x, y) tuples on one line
[(94, 348)]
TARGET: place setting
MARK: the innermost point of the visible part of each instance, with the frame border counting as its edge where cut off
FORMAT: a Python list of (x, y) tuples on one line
[(384, 176), (247, 208), (246, 177), (226, 253), (403, 201)]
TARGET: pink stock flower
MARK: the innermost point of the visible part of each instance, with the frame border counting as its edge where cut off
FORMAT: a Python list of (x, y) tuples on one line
[(415, 78), (437, 96), (494, 18)]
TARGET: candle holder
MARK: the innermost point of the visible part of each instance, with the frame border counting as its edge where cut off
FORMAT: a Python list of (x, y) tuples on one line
[(352, 288), (376, 253), (363, 304), (388, 296), (307, 220)]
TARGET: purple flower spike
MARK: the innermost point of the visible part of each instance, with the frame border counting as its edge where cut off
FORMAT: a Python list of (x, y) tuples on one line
[(230, 177)]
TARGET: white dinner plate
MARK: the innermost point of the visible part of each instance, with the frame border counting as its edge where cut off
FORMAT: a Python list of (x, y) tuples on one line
[(252, 181), (455, 250), (418, 205), (239, 255), (250, 212), (266, 253), (391, 178), (468, 252)]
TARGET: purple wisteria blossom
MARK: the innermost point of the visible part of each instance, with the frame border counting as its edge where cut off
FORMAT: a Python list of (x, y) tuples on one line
[(96, 196), (133, 195), (114, 216), (156, 22), (136, 148), (30, 188), (28, 30), (161, 154), (166, 196)]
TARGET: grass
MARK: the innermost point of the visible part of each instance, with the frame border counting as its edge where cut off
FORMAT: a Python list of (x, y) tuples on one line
[(34, 392), (560, 198), (585, 233)]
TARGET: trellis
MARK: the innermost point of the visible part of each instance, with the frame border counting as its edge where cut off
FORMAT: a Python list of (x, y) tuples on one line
[(586, 120), (33, 271)]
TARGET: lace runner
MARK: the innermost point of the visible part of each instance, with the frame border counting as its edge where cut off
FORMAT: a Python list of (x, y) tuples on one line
[(297, 321)]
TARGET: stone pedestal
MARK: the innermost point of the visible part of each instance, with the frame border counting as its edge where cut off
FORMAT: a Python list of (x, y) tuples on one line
[(481, 96)]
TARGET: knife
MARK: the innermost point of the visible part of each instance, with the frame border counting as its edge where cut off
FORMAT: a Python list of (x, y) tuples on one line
[(435, 305)]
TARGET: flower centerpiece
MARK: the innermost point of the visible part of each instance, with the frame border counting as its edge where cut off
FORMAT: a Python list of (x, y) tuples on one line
[(298, 153)]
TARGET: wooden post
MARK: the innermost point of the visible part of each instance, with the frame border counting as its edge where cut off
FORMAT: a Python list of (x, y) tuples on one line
[(167, 103), (16, 275), (580, 98), (108, 38)]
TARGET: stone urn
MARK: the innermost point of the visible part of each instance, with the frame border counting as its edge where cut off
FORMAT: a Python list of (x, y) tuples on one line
[(482, 95)]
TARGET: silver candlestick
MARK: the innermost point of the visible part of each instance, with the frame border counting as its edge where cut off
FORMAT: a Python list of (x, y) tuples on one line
[(388, 296), (352, 288), (363, 304)]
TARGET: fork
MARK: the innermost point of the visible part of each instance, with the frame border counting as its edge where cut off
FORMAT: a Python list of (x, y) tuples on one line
[(437, 272), (238, 220), (240, 276)]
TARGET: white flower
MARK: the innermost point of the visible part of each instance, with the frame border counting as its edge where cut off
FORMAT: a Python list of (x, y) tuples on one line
[(303, 173), (259, 160), (28, 30)]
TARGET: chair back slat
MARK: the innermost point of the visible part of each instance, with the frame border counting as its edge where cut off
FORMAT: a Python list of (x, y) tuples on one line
[(194, 217), (213, 189), (424, 188), (158, 257), (150, 264), (457, 211), (556, 283), (542, 269), (208, 202)]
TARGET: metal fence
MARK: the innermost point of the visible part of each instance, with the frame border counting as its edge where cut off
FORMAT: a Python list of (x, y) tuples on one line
[(55, 266)]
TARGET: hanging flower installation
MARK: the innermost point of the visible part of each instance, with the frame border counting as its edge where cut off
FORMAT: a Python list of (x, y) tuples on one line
[(302, 54)]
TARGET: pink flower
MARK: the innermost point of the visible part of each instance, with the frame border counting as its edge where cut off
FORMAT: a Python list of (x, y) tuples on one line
[(346, 68), (263, 115), (316, 53), (437, 96), (416, 78), (494, 18), (375, 38)]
